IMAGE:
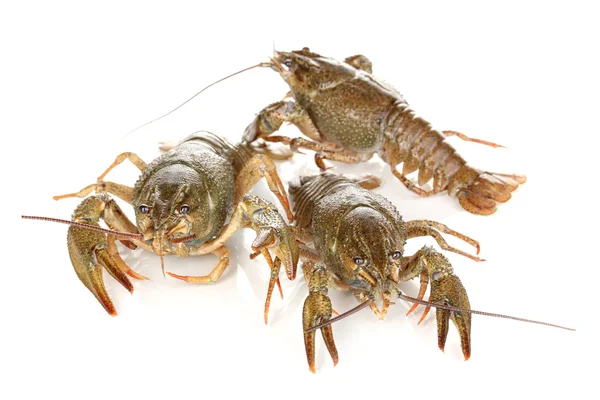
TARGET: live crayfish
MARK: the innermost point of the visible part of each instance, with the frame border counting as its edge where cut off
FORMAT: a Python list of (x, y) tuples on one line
[(359, 239), (182, 201), (349, 115)]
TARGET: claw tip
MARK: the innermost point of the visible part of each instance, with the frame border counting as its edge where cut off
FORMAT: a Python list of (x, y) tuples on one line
[(171, 274)]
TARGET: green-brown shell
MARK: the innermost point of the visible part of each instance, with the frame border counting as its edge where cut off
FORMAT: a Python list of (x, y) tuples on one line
[(199, 172), (348, 221), (347, 105)]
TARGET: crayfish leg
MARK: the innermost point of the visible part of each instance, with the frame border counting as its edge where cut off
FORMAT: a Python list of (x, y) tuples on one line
[(275, 267), (223, 254), (418, 228), (274, 278), (134, 158), (121, 191), (422, 289), (464, 137), (257, 167)]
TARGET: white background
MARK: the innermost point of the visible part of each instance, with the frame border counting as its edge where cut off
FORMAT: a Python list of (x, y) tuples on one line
[(76, 78)]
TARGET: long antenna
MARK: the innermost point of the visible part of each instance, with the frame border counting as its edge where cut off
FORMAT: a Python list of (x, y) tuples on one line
[(487, 314), (436, 305), (263, 64), (125, 235)]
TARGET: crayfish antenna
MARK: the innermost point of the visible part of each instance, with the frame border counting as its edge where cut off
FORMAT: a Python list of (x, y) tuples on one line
[(194, 96), (484, 313), (366, 303), (160, 238), (123, 235)]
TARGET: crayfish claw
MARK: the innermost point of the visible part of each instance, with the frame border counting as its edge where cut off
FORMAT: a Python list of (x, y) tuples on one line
[(114, 252), (317, 309), (89, 255), (266, 122), (90, 251), (412, 309), (425, 312), (360, 62), (446, 288), (272, 233)]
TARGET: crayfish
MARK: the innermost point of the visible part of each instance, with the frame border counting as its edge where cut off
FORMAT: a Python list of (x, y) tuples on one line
[(182, 201), (359, 239), (349, 115)]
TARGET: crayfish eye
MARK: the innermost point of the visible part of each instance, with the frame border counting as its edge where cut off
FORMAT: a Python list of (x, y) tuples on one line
[(144, 209), (287, 63), (184, 209), (359, 260), (397, 255)]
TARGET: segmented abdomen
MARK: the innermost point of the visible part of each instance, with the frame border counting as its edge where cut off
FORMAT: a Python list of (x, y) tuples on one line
[(411, 140)]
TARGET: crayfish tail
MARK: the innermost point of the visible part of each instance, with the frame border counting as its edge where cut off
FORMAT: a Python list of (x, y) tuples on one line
[(411, 141), (478, 192)]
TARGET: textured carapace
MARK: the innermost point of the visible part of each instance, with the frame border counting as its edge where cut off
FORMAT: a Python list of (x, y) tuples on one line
[(356, 232)]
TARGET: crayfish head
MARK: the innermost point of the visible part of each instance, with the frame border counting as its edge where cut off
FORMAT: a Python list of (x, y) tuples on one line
[(370, 247), (309, 73), (169, 205)]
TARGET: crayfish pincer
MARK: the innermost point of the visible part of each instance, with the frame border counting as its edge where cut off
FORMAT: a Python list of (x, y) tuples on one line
[(182, 201), (348, 115)]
